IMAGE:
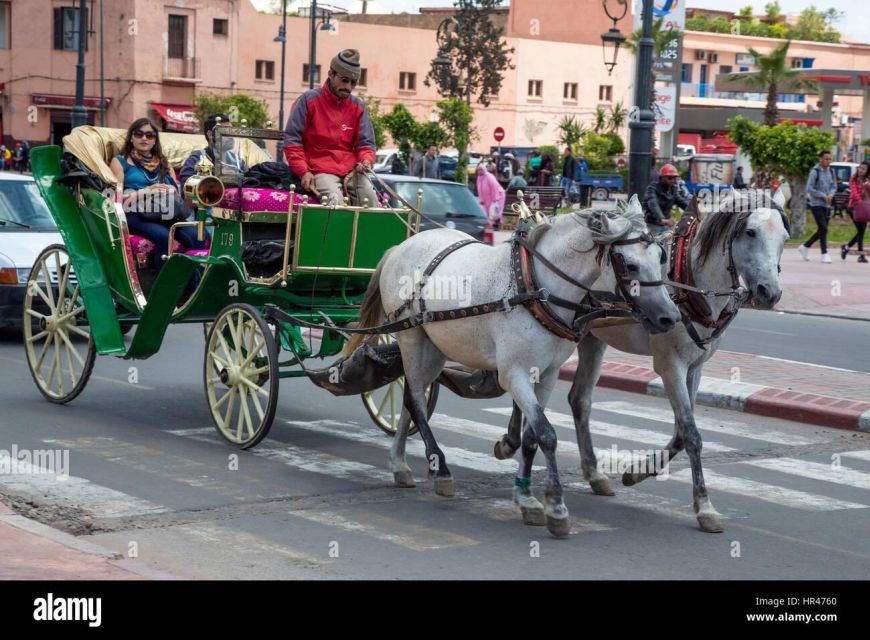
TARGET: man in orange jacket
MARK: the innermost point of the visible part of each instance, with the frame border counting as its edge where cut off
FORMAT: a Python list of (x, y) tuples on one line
[(330, 137)]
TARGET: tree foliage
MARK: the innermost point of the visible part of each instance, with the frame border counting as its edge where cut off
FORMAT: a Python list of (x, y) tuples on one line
[(236, 107), (597, 150), (789, 149), (774, 76), (617, 118), (373, 107), (813, 24), (455, 116), (571, 131), (478, 54)]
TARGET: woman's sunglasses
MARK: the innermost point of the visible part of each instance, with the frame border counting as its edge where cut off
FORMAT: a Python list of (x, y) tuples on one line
[(148, 135)]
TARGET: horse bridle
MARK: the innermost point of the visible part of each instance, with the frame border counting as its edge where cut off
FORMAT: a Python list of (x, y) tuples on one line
[(595, 304)]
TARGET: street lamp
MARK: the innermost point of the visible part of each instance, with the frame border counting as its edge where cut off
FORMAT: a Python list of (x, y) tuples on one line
[(641, 121), (614, 36), (79, 115), (282, 38)]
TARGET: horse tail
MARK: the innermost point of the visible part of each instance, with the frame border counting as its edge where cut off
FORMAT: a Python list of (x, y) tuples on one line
[(371, 311)]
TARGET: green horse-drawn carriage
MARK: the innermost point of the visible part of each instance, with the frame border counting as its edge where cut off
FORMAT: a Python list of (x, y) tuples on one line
[(84, 295)]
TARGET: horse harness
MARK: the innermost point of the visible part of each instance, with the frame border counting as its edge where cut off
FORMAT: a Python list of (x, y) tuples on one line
[(688, 297)]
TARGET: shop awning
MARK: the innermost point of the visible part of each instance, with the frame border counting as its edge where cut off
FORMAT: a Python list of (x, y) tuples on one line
[(178, 117), (54, 101)]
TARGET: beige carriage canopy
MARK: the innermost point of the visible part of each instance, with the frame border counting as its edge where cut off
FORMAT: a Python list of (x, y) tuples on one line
[(96, 146)]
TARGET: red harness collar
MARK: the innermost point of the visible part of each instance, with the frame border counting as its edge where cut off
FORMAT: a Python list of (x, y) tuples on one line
[(542, 312)]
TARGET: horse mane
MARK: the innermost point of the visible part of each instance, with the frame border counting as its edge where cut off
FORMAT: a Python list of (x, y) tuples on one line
[(729, 219), (603, 224)]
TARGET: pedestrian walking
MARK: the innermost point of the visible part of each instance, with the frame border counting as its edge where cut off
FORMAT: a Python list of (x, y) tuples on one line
[(821, 185), (739, 182), (491, 194), (859, 208), (428, 165)]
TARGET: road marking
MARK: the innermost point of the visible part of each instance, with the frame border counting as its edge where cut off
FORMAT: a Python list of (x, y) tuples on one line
[(393, 530), (859, 455), (777, 333), (46, 488), (767, 492), (815, 471), (172, 467), (804, 364), (505, 511), (739, 429), (634, 434)]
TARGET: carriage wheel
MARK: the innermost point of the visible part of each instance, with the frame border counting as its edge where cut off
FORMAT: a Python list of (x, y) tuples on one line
[(241, 375), (58, 341), (384, 405)]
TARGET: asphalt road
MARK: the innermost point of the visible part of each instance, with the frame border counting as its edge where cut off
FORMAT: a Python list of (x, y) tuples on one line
[(150, 476)]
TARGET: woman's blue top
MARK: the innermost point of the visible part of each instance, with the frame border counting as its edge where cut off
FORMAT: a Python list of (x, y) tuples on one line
[(136, 177)]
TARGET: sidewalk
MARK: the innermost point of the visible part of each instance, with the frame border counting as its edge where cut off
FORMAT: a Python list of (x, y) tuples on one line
[(775, 387), (30, 550)]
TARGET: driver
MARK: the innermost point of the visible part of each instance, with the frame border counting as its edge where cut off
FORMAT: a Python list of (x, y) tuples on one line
[(330, 137)]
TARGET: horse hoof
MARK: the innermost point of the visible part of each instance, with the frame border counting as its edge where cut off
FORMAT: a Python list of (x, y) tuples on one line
[(503, 451), (601, 487), (710, 522), (628, 480), (534, 517), (444, 487), (559, 527), (404, 479)]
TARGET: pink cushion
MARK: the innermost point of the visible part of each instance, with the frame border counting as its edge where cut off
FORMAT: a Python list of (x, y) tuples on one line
[(202, 253), (140, 245), (254, 199)]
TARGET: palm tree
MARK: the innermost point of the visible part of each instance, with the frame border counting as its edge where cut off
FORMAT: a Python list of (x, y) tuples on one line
[(571, 131), (600, 119), (618, 114), (661, 39), (773, 75)]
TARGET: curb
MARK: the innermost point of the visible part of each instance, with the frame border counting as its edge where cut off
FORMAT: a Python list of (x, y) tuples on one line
[(9, 516), (808, 408)]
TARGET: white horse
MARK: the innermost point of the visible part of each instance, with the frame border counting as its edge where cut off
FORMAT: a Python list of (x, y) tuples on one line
[(526, 355), (740, 238)]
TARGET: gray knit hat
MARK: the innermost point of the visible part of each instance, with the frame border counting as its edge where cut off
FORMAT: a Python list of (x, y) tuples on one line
[(346, 63)]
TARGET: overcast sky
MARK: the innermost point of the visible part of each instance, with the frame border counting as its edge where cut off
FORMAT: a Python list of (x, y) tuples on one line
[(856, 25)]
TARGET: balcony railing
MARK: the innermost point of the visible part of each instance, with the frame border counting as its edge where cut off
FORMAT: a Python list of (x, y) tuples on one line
[(708, 90), (181, 68)]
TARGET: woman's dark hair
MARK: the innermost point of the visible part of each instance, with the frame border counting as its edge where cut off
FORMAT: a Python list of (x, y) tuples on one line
[(156, 150), (866, 174)]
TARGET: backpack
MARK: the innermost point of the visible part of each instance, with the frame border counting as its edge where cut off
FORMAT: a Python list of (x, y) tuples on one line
[(271, 175)]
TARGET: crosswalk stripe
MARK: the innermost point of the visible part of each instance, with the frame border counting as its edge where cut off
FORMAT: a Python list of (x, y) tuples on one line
[(634, 434), (393, 530), (731, 428), (504, 510), (45, 487), (348, 431), (246, 545), (815, 471), (858, 455), (637, 498), (172, 467), (455, 456), (767, 492), (300, 457)]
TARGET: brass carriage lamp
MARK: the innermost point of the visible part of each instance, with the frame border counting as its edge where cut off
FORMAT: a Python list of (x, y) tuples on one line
[(204, 190), (613, 37)]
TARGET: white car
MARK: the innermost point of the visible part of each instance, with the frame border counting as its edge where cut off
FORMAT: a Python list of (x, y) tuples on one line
[(26, 228), (384, 160)]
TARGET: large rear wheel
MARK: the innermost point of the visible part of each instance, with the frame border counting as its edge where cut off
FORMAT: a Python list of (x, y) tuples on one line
[(57, 339), (384, 405), (241, 375)]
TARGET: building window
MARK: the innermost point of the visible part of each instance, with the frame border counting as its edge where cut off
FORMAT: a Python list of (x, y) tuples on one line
[(569, 92), (725, 69), (220, 27), (536, 88), (66, 28), (177, 36), (686, 75), (605, 93), (316, 73), (407, 81), (265, 70), (363, 77), (4, 25)]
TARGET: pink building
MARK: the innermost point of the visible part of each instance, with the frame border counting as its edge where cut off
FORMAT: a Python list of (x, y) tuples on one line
[(157, 55)]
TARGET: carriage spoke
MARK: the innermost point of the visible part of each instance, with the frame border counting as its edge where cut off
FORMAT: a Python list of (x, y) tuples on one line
[(241, 392), (35, 314), (219, 360), (392, 403), (227, 352), (62, 280), (42, 295), (80, 332), (258, 406), (249, 423), (38, 336), (256, 372), (254, 387), (255, 350), (384, 401), (56, 364), (223, 398), (42, 353), (48, 289), (231, 405), (69, 354), (70, 347), (72, 313)]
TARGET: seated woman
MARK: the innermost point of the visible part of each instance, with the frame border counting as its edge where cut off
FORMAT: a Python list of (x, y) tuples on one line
[(142, 170)]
